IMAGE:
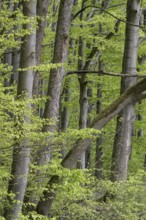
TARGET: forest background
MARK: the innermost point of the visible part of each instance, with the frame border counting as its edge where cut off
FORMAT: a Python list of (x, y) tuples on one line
[(72, 111)]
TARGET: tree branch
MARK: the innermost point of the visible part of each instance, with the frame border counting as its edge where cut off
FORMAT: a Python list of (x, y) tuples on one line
[(101, 73), (107, 12), (132, 95)]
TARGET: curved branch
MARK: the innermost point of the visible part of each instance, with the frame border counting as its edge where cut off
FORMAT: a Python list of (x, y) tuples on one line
[(101, 73), (107, 12)]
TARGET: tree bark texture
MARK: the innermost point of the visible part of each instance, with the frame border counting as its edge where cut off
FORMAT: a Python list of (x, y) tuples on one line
[(21, 151), (83, 90), (64, 112), (98, 157), (122, 140), (42, 10), (55, 85), (57, 75)]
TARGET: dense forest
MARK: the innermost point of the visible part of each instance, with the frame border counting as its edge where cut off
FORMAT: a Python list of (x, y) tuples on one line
[(72, 109)]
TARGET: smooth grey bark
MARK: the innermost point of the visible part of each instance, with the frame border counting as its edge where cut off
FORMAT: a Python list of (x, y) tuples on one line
[(8, 55), (56, 75), (64, 115), (83, 90), (42, 10), (64, 111), (98, 157), (21, 151), (8, 61), (139, 116), (90, 109), (122, 140), (55, 85), (132, 95), (15, 64), (15, 55), (144, 161)]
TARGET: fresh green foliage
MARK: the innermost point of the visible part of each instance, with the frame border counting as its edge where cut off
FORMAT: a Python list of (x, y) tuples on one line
[(80, 195)]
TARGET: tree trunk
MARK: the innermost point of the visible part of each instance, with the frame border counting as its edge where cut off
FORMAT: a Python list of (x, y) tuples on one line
[(15, 55), (8, 55), (122, 140), (21, 151), (55, 86), (42, 10), (83, 90), (56, 75), (64, 112), (98, 158)]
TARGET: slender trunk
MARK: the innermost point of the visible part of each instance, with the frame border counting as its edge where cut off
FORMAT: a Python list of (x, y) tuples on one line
[(90, 108), (21, 151), (42, 10), (15, 55), (55, 86), (15, 64), (98, 157), (83, 94), (8, 61), (65, 112), (57, 75), (144, 161), (122, 140), (8, 55), (98, 161)]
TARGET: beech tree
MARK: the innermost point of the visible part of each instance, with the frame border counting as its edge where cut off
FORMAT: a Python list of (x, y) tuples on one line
[(83, 51), (42, 10), (21, 150), (56, 77), (122, 141)]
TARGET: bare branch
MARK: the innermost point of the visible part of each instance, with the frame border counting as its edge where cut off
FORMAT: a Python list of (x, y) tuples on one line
[(101, 73), (107, 12)]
